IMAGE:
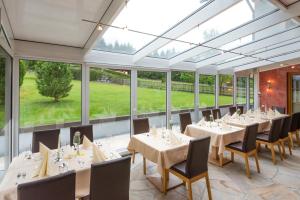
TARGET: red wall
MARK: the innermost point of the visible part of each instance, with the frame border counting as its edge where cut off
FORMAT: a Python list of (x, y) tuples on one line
[(277, 94)]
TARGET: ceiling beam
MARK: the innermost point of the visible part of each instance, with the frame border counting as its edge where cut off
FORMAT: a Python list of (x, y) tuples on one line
[(255, 45), (242, 31), (202, 15)]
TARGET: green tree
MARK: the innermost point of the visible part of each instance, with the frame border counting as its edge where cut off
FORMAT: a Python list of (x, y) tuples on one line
[(54, 79)]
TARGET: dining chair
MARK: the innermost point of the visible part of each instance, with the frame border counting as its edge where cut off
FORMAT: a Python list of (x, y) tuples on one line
[(84, 130), (246, 148), (185, 119), (110, 180), (232, 110), (241, 109), (284, 134), (271, 138), (281, 110), (216, 113), (195, 166), (50, 138), (140, 126), (206, 114), (294, 128), (59, 187)]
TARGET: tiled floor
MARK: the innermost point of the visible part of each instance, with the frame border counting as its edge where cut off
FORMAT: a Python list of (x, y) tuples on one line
[(281, 181)]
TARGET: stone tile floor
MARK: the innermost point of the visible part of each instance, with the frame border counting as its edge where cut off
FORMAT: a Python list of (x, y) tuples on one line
[(281, 181)]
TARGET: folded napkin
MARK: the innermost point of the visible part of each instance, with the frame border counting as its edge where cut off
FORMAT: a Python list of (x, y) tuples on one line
[(43, 168), (234, 115), (175, 140), (201, 122), (276, 112), (98, 155), (86, 143)]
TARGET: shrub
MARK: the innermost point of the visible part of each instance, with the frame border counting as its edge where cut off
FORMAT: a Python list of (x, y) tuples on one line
[(54, 79)]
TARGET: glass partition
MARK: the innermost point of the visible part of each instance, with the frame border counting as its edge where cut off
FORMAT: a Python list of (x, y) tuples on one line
[(251, 88), (225, 90), (207, 90), (50, 97), (110, 105), (241, 90), (151, 97)]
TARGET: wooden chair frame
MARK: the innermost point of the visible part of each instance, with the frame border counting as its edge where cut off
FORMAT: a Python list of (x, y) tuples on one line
[(297, 138), (246, 156), (189, 182), (282, 142), (271, 145)]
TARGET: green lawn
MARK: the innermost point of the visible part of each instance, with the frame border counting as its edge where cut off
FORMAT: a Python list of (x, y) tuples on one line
[(106, 100)]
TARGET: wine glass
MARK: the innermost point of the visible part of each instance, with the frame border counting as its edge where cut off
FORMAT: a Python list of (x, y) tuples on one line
[(76, 141)]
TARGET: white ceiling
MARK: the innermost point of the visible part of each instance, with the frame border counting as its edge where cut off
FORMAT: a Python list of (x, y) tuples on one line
[(55, 21)]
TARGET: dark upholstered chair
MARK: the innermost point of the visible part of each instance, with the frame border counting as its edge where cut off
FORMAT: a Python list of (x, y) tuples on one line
[(195, 166), (241, 109), (110, 180), (216, 113), (206, 114), (59, 187), (86, 130), (284, 134), (50, 138), (294, 128), (271, 138), (140, 126), (279, 109), (185, 119), (246, 148), (232, 110)]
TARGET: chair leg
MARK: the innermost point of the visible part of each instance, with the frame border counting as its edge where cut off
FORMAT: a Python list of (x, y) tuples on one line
[(232, 156), (283, 148), (279, 149), (273, 154), (133, 157), (291, 139), (258, 146), (208, 187), (247, 166), (144, 165), (190, 190), (298, 138), (290, 147), (256, 161)]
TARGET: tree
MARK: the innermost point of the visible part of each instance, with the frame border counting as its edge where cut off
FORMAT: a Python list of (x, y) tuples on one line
[(54, 79)]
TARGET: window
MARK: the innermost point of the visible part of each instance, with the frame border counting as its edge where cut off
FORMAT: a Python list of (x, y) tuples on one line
[(207, 90), (251, 88), (110, 104), (50, 97), (151, 97), (225, 90), (241, 90)]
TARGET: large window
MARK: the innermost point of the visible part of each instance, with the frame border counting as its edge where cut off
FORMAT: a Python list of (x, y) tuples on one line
[(151, 97), (207, 90), (241, 90), (225, 90), (251, 88), (110, 104), (5, 108), (50, 97)]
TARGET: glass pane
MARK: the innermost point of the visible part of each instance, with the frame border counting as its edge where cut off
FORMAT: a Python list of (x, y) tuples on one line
[(207, 90), (5, 109), (295, 93), (225, 90), (241, 90), (110, 105), (151, 97), (251, 88), (50, 97)]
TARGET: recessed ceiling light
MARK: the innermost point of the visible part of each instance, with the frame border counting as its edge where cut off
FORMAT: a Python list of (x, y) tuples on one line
[(99, 28), (281, 65)]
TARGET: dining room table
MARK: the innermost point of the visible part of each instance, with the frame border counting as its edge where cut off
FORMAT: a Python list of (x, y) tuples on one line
[(23, 168), (164, 148)]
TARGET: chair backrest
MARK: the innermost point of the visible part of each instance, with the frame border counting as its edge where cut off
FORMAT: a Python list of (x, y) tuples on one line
[(241, 109), (110, 180), (275, 130), (141, 126), (279, 109), (286, 126), (50, 138), (232, 110), (249, 142), (206, 114), (59, 187), (295, 122), (298, 120), (86, 130), (216, 113), (185, 119), (197, 157)]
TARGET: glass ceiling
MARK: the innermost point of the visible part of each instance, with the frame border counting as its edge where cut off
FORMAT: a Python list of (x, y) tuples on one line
[(154, 17)]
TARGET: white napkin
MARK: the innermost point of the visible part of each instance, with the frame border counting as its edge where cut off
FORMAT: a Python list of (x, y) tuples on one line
[(43, 168), (98, 155), (201, 122), (270, 112), (234, 115), (174, 139), (276, 112), (86, 143)]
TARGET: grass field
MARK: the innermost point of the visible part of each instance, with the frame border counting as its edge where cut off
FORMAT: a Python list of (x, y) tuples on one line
[(106, 100)]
